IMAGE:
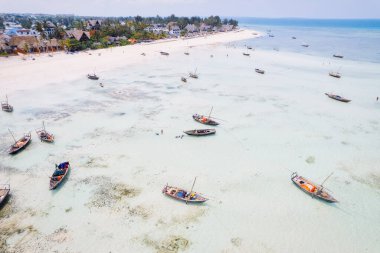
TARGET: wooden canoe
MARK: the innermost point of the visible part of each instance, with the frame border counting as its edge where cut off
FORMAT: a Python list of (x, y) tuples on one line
[(183, 79), (260, 71), (164, 53), (335, 74), (20, 144), (92, 77), (200, 132), (246, 54), (45, 136), (205, 120), (59, 174), (338, 56), (183, 195), (4, 192), (6, 107), (337, 97), (311, 188)]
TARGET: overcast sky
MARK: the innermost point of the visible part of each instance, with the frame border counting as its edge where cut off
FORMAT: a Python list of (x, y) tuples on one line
[(233, 8)]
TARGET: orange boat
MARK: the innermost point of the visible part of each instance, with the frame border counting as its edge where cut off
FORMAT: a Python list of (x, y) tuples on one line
[(311, 188)]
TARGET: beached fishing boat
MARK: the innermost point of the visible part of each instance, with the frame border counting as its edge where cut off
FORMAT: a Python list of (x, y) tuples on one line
[(20, 144), (44, 135), (260, 71), (338, 56), (194, 74), (164, 53), (92, 77), (205, 120), (335, 74), (246, 54), (5, 106), (248, 47), (311, 188), (294, 38), (305, 45), (183, 79), (337, 97), (59, 174), (183, 195), (4, 192), (200, 132), (186, 53)]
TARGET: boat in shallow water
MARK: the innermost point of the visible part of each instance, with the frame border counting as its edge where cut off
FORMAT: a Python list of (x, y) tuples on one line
[(260, 71), (20, 144), (338, 56), (337, 97), (200, 132), (44, 135), (335, 74), (5, 106), (4, 192), (205, 120), (92, 77), (183, 195), (312, 189), (59, 174)]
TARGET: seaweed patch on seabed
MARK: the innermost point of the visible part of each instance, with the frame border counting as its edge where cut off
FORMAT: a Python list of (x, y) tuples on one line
[(188, 217), (371, 180), (10, 224), (54, 115), (173, 244)]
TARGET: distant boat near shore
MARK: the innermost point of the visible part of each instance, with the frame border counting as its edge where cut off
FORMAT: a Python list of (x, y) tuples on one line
[(260, 71), (92, 77), (305, 45), (337, 97), (294, 38), (246, 54), (338, 56), (335, 74), (164, 53), (194, 74), (5, 106)]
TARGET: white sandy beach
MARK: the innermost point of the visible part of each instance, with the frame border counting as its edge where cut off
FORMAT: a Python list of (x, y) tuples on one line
[(271, 125)]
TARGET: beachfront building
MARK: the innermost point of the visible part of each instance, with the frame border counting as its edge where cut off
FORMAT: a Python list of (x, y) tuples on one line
[(191, 28), (226, 28), (94, 24), (78, 35), (49, 28), (175, 31), (21, 32), (24, 44), (205, 28), (157, 29)]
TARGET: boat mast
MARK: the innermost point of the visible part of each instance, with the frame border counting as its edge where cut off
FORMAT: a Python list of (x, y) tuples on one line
[(43, 125), (324, 181), (12, 135), (187, 199), (209, 115)]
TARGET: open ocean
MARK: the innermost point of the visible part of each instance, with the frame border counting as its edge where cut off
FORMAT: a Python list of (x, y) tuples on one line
[(355, 39)]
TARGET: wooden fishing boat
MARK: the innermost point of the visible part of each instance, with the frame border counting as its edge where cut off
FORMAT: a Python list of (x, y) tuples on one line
[(92, 77), (4, 192), (246, 54), (183, 79), (335, 74), (249, 47), (305, 45), (338, 56), (5, 106), (205, 120), (311, 188), (260, 71), (59, 174), (164, 53), (186, 53), (200, 132), (44, 135), (183, 195), (20, 144), (294, 38), (143, 54), (337, 97), (193, 74), (271, 35)]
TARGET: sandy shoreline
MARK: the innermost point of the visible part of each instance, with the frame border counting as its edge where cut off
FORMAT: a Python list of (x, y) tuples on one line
[(271, 125)]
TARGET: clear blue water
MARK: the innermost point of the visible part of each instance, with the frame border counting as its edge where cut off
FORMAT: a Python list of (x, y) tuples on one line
[(355, 39)]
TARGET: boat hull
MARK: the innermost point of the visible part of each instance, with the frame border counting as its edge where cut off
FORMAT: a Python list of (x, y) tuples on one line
[(25, 142), (311, 188), (4, 193), (54, 180), (180, 194), (204, 120), (200, 132)]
